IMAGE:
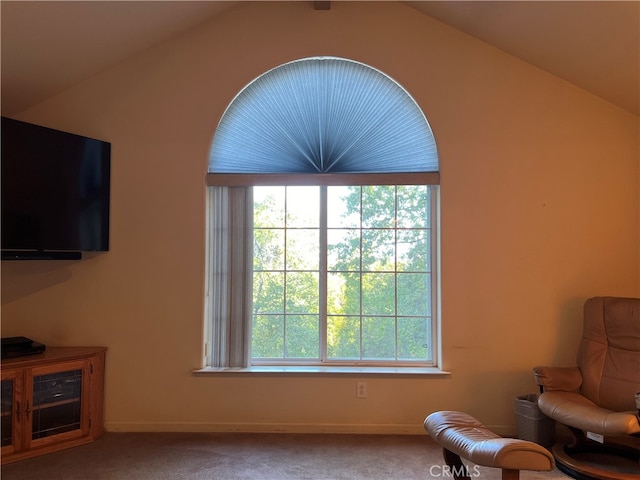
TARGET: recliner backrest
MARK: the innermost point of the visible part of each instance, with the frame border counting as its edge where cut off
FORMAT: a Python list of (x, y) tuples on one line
[(609, 352)]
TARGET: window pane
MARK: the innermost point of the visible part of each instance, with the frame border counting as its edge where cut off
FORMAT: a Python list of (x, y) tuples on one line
[(377, 289), (268, 206), (303, 249), (343, 250), (343, 293), (343, 338), (268, 292), (378, 293), (268, 249), (378, 338), (343, 207), (268, 336), (378, 206), (302, 336), (303, 206), (413, 206), (414, 251), (413, 293), (378, 250), (302, 292), (413, 338)]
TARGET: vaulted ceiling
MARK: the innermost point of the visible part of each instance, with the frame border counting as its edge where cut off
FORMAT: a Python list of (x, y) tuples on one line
[(47, 47)]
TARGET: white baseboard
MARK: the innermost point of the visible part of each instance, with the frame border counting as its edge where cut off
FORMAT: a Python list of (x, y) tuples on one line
[(265, 428), (222, 427)]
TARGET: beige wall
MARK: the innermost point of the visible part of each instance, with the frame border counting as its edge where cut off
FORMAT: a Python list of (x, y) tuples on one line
[(540, 193)]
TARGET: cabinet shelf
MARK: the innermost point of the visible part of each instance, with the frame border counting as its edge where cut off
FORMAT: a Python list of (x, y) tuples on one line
[(44, 406)]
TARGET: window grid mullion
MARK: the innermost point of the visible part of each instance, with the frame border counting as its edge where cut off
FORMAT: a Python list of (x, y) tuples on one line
[(361, 276), (286, 274), (322, 277), (395, 269)]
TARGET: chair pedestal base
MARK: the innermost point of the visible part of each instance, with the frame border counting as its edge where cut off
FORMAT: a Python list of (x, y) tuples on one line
[(605, 463)]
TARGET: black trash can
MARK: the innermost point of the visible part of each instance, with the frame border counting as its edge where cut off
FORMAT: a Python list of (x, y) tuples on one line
[(531, 423)]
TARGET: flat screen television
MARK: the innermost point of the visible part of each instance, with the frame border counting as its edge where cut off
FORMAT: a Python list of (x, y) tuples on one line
[(55, 192)]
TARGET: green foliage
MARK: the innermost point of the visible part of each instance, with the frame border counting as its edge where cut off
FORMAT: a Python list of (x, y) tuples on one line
[(378, 277)]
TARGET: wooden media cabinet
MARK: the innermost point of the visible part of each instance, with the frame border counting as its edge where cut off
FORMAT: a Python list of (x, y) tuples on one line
[(51, 401)]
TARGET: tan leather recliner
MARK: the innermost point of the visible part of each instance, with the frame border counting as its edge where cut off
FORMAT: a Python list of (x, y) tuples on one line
[(599, 395)]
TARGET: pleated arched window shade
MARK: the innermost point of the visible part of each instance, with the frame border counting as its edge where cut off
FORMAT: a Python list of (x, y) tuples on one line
[(323, 115)]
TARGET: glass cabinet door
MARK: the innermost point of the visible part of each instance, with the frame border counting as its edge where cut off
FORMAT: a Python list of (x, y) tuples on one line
[(7, 412), (58, 396), (11, 410)]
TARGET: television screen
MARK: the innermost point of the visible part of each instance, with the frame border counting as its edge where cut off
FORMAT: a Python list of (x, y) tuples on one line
[(55, 189)]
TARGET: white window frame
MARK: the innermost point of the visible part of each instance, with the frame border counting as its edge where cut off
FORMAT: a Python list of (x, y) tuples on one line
[(212, 332)]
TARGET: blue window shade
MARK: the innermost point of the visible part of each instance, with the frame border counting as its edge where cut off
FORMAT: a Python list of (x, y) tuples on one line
[(323, 115)]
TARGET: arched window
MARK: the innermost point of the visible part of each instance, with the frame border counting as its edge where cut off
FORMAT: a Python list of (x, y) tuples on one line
[(323, 115), (323, 204)]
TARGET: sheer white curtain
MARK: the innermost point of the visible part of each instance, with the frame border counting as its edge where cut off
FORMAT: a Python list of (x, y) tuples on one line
[(230, 270)]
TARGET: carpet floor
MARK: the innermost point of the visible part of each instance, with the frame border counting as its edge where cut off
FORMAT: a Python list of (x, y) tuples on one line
[(214, 456)]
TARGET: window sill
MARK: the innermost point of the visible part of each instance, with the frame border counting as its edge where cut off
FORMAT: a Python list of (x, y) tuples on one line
[(429, 372)]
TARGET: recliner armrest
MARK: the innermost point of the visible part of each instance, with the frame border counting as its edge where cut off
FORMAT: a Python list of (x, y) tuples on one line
[(567, 379)]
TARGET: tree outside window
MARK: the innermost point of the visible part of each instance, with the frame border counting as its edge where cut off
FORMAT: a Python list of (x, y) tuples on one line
[(342, 274)]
